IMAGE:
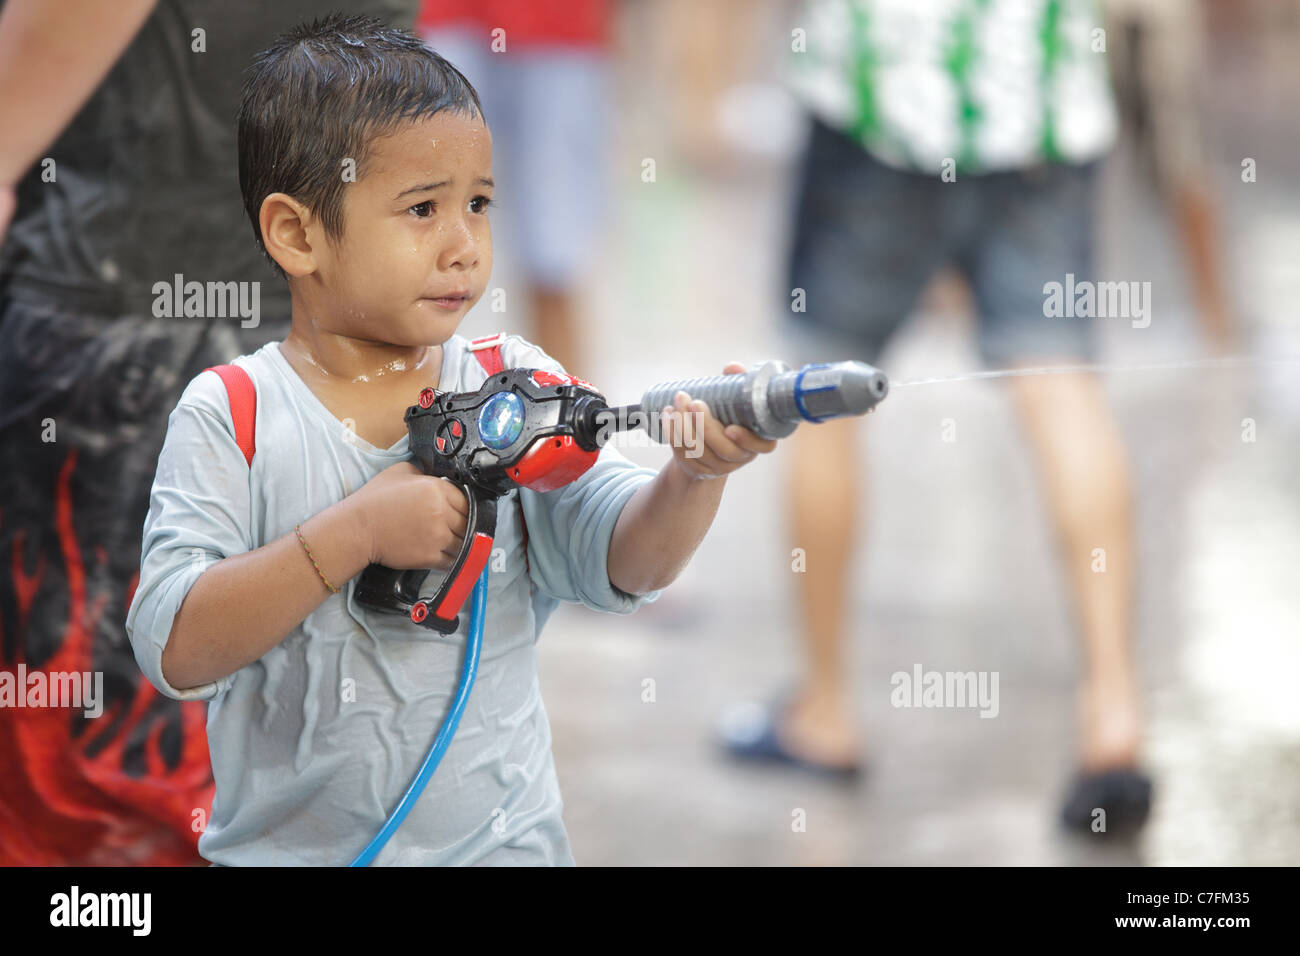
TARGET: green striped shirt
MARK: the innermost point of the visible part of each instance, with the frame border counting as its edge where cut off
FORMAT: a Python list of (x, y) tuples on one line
[(968, 85)]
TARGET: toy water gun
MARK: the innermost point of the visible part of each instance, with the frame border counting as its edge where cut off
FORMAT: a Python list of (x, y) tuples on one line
[(536, 429), (530, 428)]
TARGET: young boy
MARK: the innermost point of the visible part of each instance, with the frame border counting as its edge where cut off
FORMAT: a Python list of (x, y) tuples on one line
[(365, 165)]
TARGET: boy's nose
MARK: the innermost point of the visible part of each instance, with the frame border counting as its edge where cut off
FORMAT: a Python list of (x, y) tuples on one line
[(461, 248)]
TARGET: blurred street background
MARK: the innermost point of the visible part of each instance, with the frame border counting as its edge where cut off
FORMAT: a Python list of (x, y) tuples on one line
[(647, 157), (958, 570)]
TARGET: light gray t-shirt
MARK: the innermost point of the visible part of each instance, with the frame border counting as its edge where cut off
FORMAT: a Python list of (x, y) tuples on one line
[(313, 745)]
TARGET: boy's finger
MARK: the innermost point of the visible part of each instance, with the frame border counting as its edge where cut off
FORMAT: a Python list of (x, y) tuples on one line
[(747, 440), (715, 466), (682, 433), (715, 438), (456, 498), (687, 426), (728, 452)]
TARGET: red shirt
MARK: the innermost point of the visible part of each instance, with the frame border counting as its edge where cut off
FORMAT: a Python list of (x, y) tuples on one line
[(583, 23)]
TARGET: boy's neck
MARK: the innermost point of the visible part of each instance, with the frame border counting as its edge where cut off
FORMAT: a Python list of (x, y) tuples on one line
[(333, 358)]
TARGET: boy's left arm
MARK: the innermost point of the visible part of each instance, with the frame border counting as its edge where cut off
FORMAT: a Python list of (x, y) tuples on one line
[(665, 521)]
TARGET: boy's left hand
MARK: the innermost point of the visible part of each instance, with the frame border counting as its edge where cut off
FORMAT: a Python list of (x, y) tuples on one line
[(702, 448)]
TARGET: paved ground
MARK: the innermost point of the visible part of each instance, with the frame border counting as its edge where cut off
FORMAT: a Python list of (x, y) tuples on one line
[(957, 572)]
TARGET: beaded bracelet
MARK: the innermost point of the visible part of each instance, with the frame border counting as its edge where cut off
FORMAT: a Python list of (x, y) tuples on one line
[(297, 529)]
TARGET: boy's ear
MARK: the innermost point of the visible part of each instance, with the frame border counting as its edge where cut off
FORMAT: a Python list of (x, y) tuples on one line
[(284, 223)]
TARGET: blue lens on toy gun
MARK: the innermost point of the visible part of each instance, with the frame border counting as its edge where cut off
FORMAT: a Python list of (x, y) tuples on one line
[(501, 420)]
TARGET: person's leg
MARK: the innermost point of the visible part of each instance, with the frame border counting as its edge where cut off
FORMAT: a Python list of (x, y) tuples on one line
[(1173, 48), (556, 328), (823, 501), (865, 244), (1084, 472), (702, 53), (1037, 229), (560, 188)]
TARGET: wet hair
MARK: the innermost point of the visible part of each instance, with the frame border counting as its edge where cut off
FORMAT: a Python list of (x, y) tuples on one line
[(320, 94)]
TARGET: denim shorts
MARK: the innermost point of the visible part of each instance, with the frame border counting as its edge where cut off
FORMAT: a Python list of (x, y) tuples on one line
[(868, 238)]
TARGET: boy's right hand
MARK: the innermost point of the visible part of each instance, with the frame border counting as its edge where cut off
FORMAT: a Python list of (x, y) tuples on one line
[(411, 520)]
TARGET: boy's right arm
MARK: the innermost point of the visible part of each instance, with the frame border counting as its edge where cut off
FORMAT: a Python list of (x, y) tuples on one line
[(246, 604), (208, 602)]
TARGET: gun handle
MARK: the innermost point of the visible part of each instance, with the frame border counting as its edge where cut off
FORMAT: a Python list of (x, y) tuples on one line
[(386, 589)]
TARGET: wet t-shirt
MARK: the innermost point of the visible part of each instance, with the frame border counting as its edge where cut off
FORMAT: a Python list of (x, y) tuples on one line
[(314, 744)]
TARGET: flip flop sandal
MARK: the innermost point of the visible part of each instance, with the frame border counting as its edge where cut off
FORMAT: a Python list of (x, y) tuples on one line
[(1125, 795), (749, 733)]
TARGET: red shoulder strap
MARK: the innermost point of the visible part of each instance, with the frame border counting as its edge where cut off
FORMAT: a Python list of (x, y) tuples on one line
[(488, 352), (243, 405)]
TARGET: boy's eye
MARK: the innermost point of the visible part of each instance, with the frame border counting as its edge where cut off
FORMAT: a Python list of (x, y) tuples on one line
[(422, 210), (480, 204)]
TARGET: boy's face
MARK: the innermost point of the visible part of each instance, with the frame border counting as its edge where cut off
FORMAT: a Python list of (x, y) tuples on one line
[(416, 249)]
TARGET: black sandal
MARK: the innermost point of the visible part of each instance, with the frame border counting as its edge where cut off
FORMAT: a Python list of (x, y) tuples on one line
[(754, 738), (1124, 795)]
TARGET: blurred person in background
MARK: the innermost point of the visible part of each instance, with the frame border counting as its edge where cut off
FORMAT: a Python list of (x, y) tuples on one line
[(117, 171), (1158, 48), (542, 73), (962, 134)]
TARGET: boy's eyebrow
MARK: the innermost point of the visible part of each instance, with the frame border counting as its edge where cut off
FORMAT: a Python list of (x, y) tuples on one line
[(427, 187)]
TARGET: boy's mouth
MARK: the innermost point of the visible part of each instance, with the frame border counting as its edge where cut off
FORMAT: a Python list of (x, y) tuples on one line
[(453, 300)]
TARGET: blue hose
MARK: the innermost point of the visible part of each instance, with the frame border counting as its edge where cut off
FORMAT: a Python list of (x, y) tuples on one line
[(440, 743)]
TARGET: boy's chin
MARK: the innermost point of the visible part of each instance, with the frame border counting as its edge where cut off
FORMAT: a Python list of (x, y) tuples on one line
[(424, 329)]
